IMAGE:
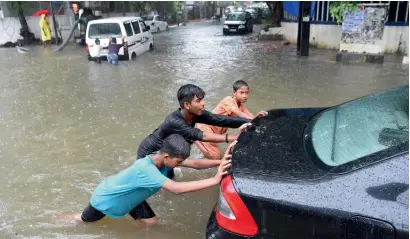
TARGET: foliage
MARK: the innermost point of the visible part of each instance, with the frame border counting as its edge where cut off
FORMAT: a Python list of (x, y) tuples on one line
[(276, 11), (338, 9), (16, 6)]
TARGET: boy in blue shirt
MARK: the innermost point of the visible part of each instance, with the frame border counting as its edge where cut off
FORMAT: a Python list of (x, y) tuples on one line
[(125, 193)]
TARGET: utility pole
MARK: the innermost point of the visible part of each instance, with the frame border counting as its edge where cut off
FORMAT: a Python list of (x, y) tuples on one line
[(54, 22), (303, 28)]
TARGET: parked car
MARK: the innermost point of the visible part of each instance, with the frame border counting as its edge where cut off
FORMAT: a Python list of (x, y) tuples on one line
[(138, 37), (339, 172), (156, 23), (238, 22)]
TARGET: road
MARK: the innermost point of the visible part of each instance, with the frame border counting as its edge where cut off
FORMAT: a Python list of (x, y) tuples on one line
[(67, 123)]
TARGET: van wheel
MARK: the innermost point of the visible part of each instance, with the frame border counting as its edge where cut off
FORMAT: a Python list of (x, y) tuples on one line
[(158, 30), (151, 47), (133, 56)]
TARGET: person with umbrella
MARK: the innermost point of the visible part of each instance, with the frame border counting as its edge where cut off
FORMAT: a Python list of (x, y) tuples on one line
[(45, 30)]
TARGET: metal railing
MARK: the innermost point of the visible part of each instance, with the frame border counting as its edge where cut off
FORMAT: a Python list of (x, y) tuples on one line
[(398, 12)]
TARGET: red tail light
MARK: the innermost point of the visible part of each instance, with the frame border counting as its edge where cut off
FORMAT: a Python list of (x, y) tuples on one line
[(231, 213), (86, 48)]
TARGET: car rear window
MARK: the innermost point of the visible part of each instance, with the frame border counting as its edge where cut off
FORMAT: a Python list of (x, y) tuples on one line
[(236, 17), (371, 125), (128, 29), (104, 30)]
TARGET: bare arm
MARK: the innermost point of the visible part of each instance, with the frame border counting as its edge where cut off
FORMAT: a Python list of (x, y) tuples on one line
[(218, 138), (246, 111), (246, 115), (200, 163), (185, 187)]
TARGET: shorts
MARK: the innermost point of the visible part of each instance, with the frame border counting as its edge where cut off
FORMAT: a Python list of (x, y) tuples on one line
[(97, 59), (112, 58), (142, 211), (212, 150)]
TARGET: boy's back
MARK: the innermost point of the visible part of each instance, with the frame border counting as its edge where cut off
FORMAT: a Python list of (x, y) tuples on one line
[(118, 194)]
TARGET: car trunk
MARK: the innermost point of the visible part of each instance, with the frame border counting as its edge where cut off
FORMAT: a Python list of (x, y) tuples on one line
[(274, 146), (271, 151), (290, 195)]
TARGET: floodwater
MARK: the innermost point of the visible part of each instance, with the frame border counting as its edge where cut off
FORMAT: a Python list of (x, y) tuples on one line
[(67, 123)]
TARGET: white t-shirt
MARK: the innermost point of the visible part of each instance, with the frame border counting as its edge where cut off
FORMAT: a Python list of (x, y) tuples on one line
[(95, 50)]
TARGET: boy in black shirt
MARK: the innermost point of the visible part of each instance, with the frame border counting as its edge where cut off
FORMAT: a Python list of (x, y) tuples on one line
[(183, 120)]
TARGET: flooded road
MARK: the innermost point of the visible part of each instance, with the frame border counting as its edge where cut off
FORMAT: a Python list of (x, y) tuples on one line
[(67, 123)]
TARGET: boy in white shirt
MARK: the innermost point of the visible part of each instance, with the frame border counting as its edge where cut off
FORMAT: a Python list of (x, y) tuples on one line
[(95, 51)]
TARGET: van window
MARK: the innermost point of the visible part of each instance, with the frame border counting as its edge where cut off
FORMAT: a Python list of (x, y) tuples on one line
[(136, 27), (376, 124), (104, 30), (143, 26), (128, 29)]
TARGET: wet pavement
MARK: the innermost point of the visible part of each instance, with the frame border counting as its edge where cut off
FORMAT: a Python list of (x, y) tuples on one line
[(67, 123)]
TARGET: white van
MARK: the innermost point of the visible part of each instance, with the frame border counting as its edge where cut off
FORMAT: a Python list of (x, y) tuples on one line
[(138, 38)]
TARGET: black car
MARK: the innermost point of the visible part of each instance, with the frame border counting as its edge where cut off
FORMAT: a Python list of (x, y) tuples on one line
[(238, 22), (339, 172)]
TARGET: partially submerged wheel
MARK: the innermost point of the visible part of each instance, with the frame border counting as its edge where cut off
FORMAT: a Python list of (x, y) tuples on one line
[(133, 56)]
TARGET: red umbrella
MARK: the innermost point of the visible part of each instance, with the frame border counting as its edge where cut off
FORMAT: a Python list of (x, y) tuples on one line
[(39, 13)]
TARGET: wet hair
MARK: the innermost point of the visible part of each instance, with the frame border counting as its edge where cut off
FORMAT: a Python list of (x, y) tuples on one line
[(114, 40), (238, 84), (97, 41), (175, 146), (188, 92)]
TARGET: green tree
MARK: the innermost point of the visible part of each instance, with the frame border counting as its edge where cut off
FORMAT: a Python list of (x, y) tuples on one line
[(276, 11), (338, 9)]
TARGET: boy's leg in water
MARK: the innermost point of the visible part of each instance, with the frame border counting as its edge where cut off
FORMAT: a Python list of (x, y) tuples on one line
[(115, 59), (109, 58), (144, 213), (90, 214)]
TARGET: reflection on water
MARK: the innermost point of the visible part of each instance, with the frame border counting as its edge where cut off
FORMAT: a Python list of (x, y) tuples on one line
[(67, 123)]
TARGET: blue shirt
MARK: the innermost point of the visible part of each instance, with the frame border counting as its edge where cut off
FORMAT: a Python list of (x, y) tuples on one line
[(118, 194)]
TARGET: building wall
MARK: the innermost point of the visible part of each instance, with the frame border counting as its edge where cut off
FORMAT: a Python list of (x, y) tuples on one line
[(10, 27), (395, 38)]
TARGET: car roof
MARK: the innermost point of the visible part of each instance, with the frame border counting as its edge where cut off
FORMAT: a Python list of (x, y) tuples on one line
[(115, 19)]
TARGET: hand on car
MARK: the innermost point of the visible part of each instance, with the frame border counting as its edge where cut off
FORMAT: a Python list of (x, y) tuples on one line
[(222, 170), (243, 128), (261, 114), (228, 151)]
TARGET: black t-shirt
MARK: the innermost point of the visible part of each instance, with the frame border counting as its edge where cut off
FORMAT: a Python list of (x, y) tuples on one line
[(176, 124)]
